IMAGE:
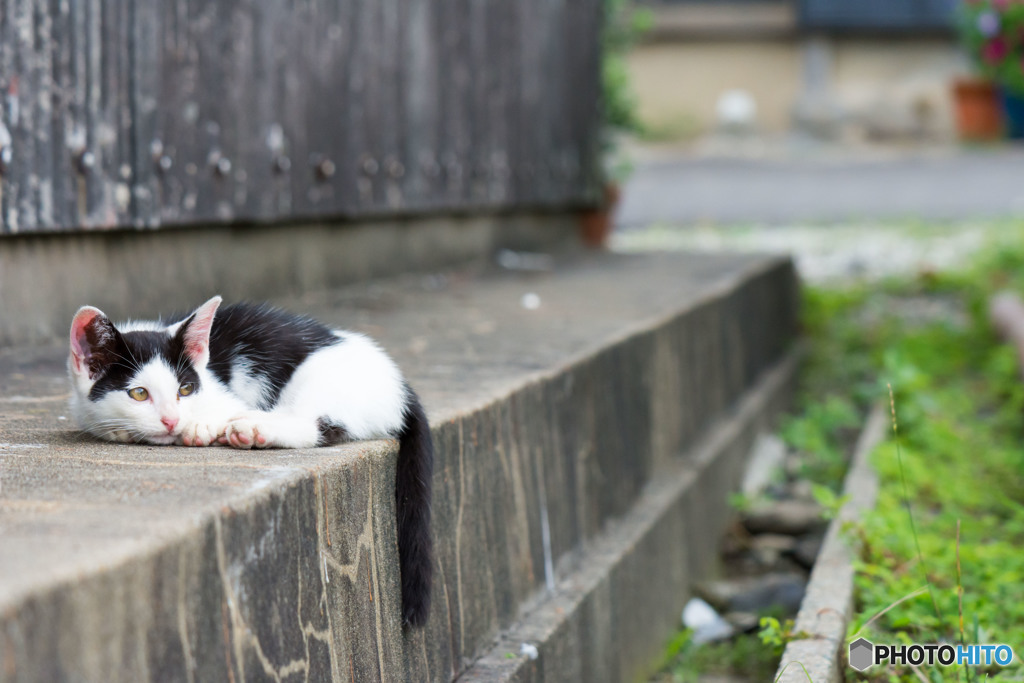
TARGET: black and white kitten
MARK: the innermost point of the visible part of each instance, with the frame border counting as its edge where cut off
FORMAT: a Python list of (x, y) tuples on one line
[(251, 376)]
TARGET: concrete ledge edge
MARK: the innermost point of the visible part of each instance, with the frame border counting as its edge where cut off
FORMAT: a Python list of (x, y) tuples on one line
[(828, 604)]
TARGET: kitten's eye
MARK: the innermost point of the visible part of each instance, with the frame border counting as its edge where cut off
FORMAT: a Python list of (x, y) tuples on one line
[(138, 393), (186, 389)]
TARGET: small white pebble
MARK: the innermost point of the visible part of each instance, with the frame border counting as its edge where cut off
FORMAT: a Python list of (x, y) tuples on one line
[(530, 301), (61, 417), (530, 650)]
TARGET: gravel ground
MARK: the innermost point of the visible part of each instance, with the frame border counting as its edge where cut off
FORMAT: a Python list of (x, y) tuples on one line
[(851, 252), (845, 212)]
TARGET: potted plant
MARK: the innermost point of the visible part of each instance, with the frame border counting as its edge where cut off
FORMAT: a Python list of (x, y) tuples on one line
[(622, 26), (976, 99), (993, 32)]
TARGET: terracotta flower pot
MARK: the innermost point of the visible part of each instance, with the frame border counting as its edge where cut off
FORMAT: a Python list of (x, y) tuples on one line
[(596, 224), (979, 115)]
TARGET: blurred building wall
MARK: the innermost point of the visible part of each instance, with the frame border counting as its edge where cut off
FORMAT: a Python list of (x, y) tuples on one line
[(874, 84)]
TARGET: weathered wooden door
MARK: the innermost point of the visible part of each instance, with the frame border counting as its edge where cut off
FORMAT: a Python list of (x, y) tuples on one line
[(154, 112)]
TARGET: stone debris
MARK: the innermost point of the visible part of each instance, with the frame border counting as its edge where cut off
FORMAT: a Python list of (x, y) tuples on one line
[(528, 261), (807, 548), (530, 301), (767, 457), (744, 622), (707, 625), (756, 593), (848, 251), (792, 517), (801, 489), (769, 549)]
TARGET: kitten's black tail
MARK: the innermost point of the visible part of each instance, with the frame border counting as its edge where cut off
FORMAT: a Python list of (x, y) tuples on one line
[(413, 477)]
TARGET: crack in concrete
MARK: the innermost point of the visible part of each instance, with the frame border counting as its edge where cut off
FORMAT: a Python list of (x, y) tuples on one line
[(242, 629), (298, 617), (327, 519), (377, 617), (231, 629), (448, 611), (458, 538), (511, 463), (9, 665), (365, 541), (545, 526), (227, 638), (270, 469), (186, 643), (325, 580)]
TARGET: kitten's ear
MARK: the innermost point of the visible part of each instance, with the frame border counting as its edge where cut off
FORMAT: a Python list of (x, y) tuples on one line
[(195, 332), (93, 337)]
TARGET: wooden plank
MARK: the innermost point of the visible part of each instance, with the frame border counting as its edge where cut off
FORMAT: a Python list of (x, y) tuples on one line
[(147, 107), (421, 104), (390, 78), (292, 52), (533, 36), (109, 113), (477, 119), (164, 112), (455, 90), (67, 115), (8, 90), (23, 118), (511, 59)]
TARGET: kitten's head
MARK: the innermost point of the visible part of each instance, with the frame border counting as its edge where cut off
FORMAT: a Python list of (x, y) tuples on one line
[(136, 383)]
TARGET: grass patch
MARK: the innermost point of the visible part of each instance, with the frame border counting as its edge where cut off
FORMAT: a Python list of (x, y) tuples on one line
[(956, 573), (960, 406), (746, 655)]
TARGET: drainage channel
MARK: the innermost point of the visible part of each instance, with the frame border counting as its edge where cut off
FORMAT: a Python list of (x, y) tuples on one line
[(781, 557)]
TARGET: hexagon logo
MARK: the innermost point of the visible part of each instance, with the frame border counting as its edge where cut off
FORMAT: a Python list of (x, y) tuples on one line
[(861, 654)]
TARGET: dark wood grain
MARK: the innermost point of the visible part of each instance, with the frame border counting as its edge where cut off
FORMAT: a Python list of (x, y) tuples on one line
[(149, 113)]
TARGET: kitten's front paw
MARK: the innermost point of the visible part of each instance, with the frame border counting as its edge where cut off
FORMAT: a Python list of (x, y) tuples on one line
[(202, 434), (247, 431)]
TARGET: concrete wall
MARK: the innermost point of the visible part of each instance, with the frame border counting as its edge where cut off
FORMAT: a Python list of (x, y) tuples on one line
[(884, 87), (552, 431), (45, 278)]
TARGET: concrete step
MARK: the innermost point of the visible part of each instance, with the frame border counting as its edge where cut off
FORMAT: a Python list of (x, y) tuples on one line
[(618, 598), (552, 425)]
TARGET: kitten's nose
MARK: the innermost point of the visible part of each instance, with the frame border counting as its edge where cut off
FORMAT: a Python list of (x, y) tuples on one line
[(170, 423)]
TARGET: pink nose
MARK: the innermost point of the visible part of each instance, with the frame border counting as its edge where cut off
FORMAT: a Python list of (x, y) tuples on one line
[(169, 422)]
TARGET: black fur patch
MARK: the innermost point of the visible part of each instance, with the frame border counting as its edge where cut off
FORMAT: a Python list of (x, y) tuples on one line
[(413, 479), (331, 434), (272, 343), (122, 354)]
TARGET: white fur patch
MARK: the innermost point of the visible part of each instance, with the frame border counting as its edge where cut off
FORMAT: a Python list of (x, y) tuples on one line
[(245, 385), (140, 326), (118, 417), (354, 384)]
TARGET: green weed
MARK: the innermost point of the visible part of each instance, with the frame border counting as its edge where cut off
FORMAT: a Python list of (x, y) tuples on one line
[(958, 460)]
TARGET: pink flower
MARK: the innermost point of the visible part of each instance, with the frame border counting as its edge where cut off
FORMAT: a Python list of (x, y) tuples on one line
[(1000, 4), (994, 51)]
